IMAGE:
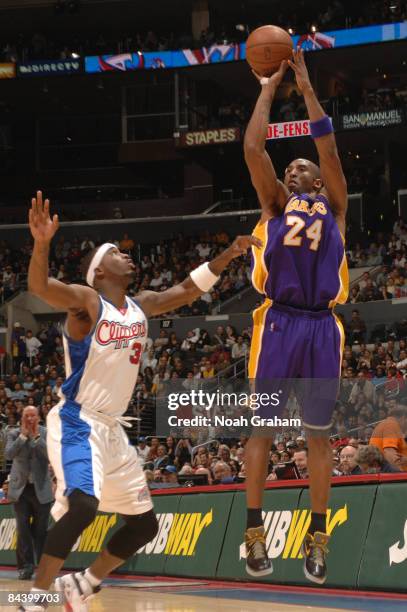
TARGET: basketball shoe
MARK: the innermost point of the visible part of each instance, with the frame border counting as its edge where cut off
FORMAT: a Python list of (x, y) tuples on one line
[(257, 561), (77, 591), (314, 549)]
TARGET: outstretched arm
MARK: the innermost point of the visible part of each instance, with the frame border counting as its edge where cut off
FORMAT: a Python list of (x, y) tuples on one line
[(155, 303), (330, 164), (52, 291), (271, 192)]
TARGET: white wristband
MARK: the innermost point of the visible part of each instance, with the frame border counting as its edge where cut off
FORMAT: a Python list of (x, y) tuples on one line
[(264, 81), (203, 278)]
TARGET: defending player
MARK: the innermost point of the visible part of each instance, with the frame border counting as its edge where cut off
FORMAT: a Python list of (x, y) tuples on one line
[(302, 272), (95, 466)]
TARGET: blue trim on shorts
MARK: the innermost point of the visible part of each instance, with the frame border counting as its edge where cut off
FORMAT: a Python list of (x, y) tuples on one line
[(76, 450)]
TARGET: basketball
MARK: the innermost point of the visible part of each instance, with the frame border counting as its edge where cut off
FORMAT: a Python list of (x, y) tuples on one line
[(267, 47)]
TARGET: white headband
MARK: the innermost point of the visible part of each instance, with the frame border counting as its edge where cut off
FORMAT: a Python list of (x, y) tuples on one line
[(97, 258)]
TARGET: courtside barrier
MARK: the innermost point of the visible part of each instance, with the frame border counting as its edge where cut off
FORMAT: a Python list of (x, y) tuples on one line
[(201, 533)]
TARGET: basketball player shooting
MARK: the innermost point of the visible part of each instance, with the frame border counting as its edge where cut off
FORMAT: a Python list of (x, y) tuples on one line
[(301, 270), (95, 466)]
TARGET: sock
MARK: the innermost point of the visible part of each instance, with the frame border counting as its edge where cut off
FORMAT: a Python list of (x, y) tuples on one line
[(254, 518), (91, 578), (318, 523)]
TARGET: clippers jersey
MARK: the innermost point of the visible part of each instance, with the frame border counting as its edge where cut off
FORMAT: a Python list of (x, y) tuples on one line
[(102, 369), (302, 262)]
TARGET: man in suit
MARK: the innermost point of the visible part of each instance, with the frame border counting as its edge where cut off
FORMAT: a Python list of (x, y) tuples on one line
[(29, 488)]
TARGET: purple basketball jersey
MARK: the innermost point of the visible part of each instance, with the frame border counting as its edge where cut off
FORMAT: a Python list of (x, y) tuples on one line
[(302, 262)]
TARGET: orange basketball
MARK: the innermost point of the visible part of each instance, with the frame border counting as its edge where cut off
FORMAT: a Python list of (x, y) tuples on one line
[(267, 47)]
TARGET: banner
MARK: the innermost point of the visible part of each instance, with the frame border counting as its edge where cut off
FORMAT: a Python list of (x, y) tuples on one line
[(231, 52), (208, 137), (202, 535), (7, 71), (49, 67), (384, 563), (288, 129), (384, 118), (163, 59)]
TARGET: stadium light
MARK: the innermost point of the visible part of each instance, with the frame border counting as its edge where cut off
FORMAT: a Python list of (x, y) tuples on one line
[(75, 55), (290, 31), (313, 29)]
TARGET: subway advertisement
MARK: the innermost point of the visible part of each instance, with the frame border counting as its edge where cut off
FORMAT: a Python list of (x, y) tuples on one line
[(201, 535)]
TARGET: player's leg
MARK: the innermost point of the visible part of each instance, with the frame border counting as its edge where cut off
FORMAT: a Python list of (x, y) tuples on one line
[(75, 450), (125, 492), (269, 369), (63, 534), (138, 530), (319, 398)]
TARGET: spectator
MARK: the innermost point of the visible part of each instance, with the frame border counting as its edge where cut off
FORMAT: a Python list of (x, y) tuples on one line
[(371, 461), (126, 243), (161, 460), (142, 449), (348, 464), (389, 437), (18, 347), (30, 488), (32, 345), (239, 349), (222, 473), (301, 461), (357, 328), (170, 475)]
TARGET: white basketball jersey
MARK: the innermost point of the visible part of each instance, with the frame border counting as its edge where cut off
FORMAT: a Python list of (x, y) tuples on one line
[(102, 369)]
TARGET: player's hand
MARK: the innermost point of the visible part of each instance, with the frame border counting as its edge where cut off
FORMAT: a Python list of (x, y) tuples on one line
[(42, 227), (241, 244), (271, 83), (300, 70)]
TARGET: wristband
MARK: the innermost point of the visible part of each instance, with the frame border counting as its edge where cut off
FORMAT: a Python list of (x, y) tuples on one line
[(203, 278), (322, 127)]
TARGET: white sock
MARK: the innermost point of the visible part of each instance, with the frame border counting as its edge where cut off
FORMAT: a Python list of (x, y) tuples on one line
[(91, 578)]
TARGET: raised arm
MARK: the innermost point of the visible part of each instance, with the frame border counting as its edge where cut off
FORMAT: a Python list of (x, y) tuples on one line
[(52, 291), (330, 164), (155, 303), (271, 192)]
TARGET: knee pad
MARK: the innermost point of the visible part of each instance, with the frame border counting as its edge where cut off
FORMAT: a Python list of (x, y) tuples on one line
[(139, 529), (63, 535)]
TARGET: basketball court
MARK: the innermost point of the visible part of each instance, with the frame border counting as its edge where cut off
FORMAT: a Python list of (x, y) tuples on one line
[(149, 594)]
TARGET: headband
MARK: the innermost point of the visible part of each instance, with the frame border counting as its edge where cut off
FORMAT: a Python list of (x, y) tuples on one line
[(96, 260)]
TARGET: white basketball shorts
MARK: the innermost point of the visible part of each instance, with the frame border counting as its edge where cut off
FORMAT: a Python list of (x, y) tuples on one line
[(89, 455)]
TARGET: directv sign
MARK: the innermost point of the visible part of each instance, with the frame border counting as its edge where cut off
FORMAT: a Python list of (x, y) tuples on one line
[(49, 67), (384, 118)]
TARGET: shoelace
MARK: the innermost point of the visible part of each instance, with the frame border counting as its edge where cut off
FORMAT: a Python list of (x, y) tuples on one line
[(318, 551), (256, 546)]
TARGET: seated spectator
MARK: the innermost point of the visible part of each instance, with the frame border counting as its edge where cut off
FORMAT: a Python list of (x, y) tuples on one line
[(348, 464), (222, 473), (371, 461), (161, 460), (142, 449), (170, 475), (239, 349), (301, 461), (190, 341), (389, 437), (126, 243)]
